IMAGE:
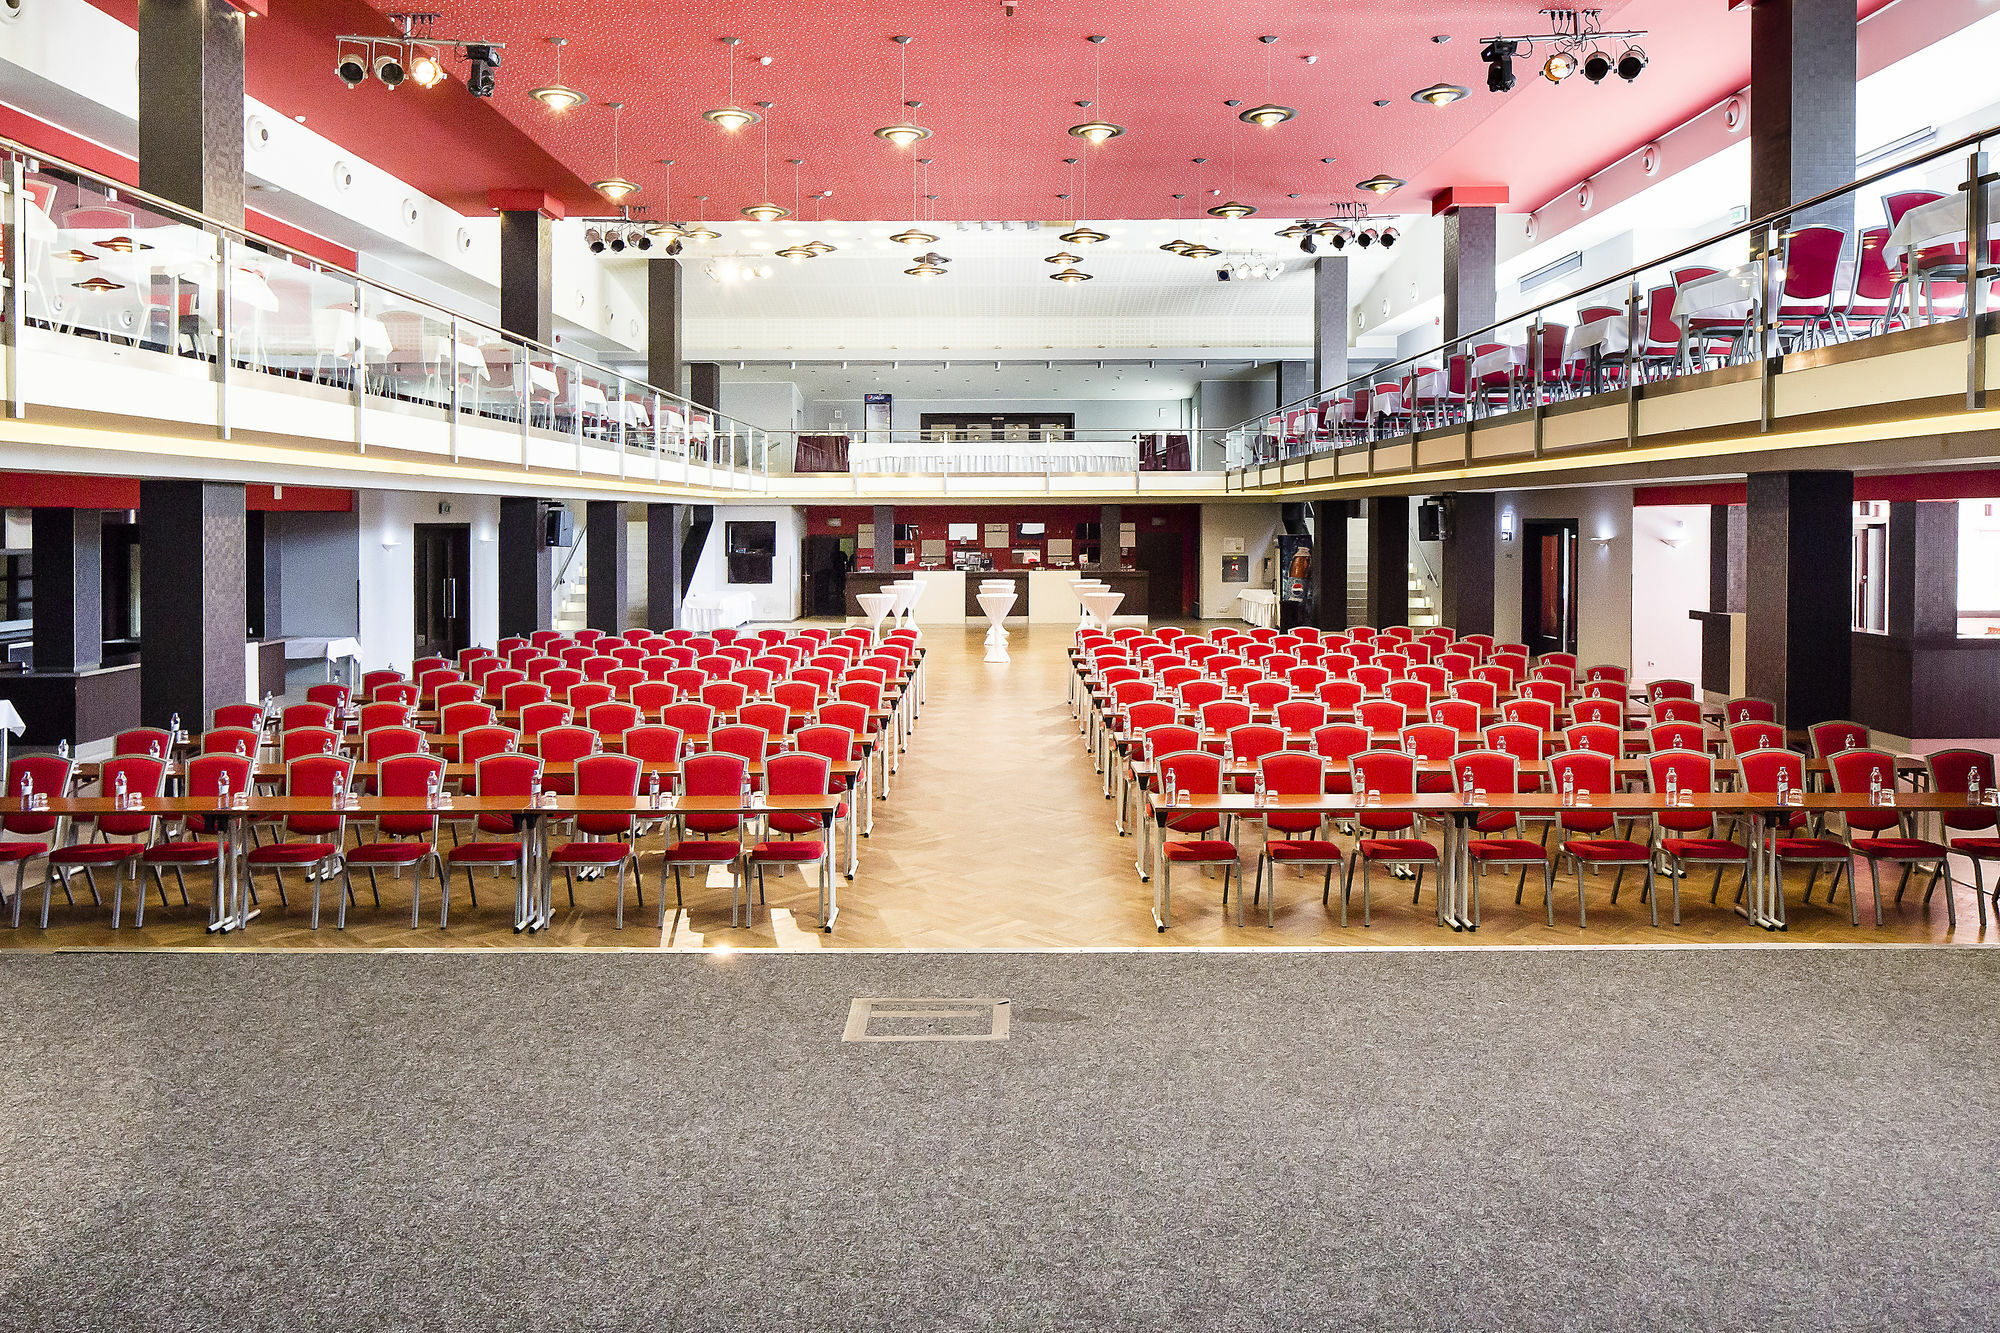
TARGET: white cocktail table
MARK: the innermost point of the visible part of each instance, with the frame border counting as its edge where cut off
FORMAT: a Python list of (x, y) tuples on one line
[(1102, 606), (996, 605), (1083, 588), (875, 605)]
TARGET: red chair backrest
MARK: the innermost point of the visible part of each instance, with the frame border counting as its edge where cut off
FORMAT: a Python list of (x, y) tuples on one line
[(1481, 692), (1301, 714), (1390, 773), (239, 715), (1860, 770), (1669, 689), (1535, 712), (301, 741), (835, 743), (383, 714), (1429, 740), (1962, 772), (612, 719), (1674, 736), (153, 742), (724, 695), (654, 744), (1747, 736), (44, 774), (232, 740), (1610, 712), (1382, 715), (1458, 714), (741, 739), (1691, 770), (1583, 771), (1491, 771), (336, 697), (689, 717), (306, 715), (1224, 715), (539, 717), (606, 775), (1750, 710), (1597, 738), (383, 742), (317, 775), (1676, 710), (456, 718), (1518, 739)]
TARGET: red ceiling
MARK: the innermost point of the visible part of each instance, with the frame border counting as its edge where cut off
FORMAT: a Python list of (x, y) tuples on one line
[(999, 91)]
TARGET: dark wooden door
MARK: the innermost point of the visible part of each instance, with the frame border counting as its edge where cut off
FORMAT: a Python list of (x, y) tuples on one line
[(826, 575), (1163, 555), (1548, 586), (443, 560)]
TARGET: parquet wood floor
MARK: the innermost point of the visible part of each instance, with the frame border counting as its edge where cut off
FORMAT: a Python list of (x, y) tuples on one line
[(997, 836)]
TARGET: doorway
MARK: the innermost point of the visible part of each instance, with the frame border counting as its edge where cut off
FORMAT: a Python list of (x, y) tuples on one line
[(1548, 586), (826, 559), (1163, 557), (443, 560)]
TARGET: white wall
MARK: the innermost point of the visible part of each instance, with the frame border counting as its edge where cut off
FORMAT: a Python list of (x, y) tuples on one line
[(1603, 570), (388, 572), (779, 599), (1257, 524), (1668, 581), (906, 412), (1978, 556)]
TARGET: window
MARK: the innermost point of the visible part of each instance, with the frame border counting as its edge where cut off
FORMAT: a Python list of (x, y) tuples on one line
[(752, 548), (17, 588)]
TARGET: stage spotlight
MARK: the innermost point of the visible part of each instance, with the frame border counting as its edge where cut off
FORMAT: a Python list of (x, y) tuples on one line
[(1631, 63), (1366, 238), (642, 240), (616, 240), (1340, 240), (673, 246), (352, 65), (482, 59), (1308, 244), (389, 64), (1499, 57), (1596, 66), (595, 240), (1389, 237)]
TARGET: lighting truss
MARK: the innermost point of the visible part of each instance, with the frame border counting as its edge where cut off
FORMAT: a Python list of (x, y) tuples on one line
[(1573, 35), (404, 52)]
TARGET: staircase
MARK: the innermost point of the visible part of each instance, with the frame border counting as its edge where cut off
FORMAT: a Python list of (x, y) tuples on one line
[(1422, 611), (571, 590)]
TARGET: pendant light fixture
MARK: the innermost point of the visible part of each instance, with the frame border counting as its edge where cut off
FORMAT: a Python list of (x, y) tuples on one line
[(701, 233), (817, 246), (906, 131), (1082, 233), (913, 235), (1070, 275), (1380, 184), (1062, 257), (1099, 130), (555, 96), (767, 211), (795, 252), (674, 235), (615, 187), (1230, 208), (731, 117), (1177, 245), (930, 212), (1268, 113)]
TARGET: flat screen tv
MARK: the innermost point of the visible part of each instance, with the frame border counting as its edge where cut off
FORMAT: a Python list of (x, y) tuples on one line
[(962, 532), (1029, 530)]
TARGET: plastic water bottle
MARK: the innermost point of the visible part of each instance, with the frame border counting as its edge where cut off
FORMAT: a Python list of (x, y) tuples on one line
[(432, 790), (27, 791), (1173, 789), (118, 788), (1875, 786), (62, 749), (653, 788), (1673, 786), (1783, 782), (535, 789), (222, 789), (1569, 786), (746, 786), (1262, 793), (1972, 786), (174, 726)]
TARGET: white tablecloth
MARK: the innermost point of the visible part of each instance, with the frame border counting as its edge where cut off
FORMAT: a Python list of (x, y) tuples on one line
[(1259, 606), (627, 412), (1610, 335), (717, 610), (1940, 222), (1501, 362), (1729, 294)]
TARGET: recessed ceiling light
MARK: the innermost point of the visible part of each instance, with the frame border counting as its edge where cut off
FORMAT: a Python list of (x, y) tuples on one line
[(1266, 115)]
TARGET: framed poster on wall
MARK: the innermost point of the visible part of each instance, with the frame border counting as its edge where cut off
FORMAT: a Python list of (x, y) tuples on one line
[(1235, 569)]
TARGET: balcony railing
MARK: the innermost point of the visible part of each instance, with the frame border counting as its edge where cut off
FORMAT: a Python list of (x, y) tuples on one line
[(1884, 255), (103, 281)]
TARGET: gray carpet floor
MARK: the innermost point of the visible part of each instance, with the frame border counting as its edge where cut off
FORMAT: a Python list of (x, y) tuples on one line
[(1720, 1139)]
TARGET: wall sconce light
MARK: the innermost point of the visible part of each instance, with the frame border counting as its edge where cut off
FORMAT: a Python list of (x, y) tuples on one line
[(1605, 540), (1676, 536), (389, 542)]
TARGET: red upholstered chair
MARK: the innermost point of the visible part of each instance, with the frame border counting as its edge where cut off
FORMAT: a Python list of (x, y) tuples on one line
[(1669, 689), (32, 774), (312, 838), (1688, 837), (1498, 773), (336, 697), (240, 716), (1198, 694), (384, 714), (1830, 738), (748, 743), (302, 741), (1373, 679), (1306, 680), (599, 667), (1224, 716), (207, 777), (691, 718), (1246, 745), (1389, 774), (612, 720), (305, 715), (508, 775), (232, 740), (690, 681), (1535, 712), (1381, 715), (455, 692), (1768, 770), (456, 719), (1968, 773), (1597, 738), (1675, 736), (575, 656), (561, 680), (586, 695), (1336, 744), (1747, 737), (1198, 774), (625, 679), (708, 838), (1497, 674), (650, 696), (1340, 695), (715, 666), (1676, 710), (1396, 664), (1580, 775), (564, 745), (600, 839), (1749, 710), (384, 742), (1480, 692), (1339, 665), (1456, 666), (1294, 838), (125, 835), (654, 745), (497, 683), (1413, 695), (152, 742), (1611, 690), (400, 692), (805, 837), (1557, 673), (1301, 715), (372, 681), (1436, 678), (538, 718), (774, 719), (1877, 832), (725, 696), (1430, 743), (405, 840), (756, 681), (1240, 678), (1603, 712), (1457, 714), (1266, 694)]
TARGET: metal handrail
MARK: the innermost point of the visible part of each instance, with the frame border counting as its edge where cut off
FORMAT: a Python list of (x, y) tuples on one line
[(1740, 229), (192, 217)]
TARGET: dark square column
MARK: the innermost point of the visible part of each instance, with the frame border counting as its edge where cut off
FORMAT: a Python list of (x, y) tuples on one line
[(665, 350), (69, 589), (1388, 560), (1800, 530), (705, 384), (191, 637), (885, 538), (606, 577), (1923, 570), (1802, 89), (1107, 539), (527, 568), (1468, 563), (527, 284), (1329, 565), (1471, 272), (1295, 381), (663, 566), (1329, 322), (191, 105)]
